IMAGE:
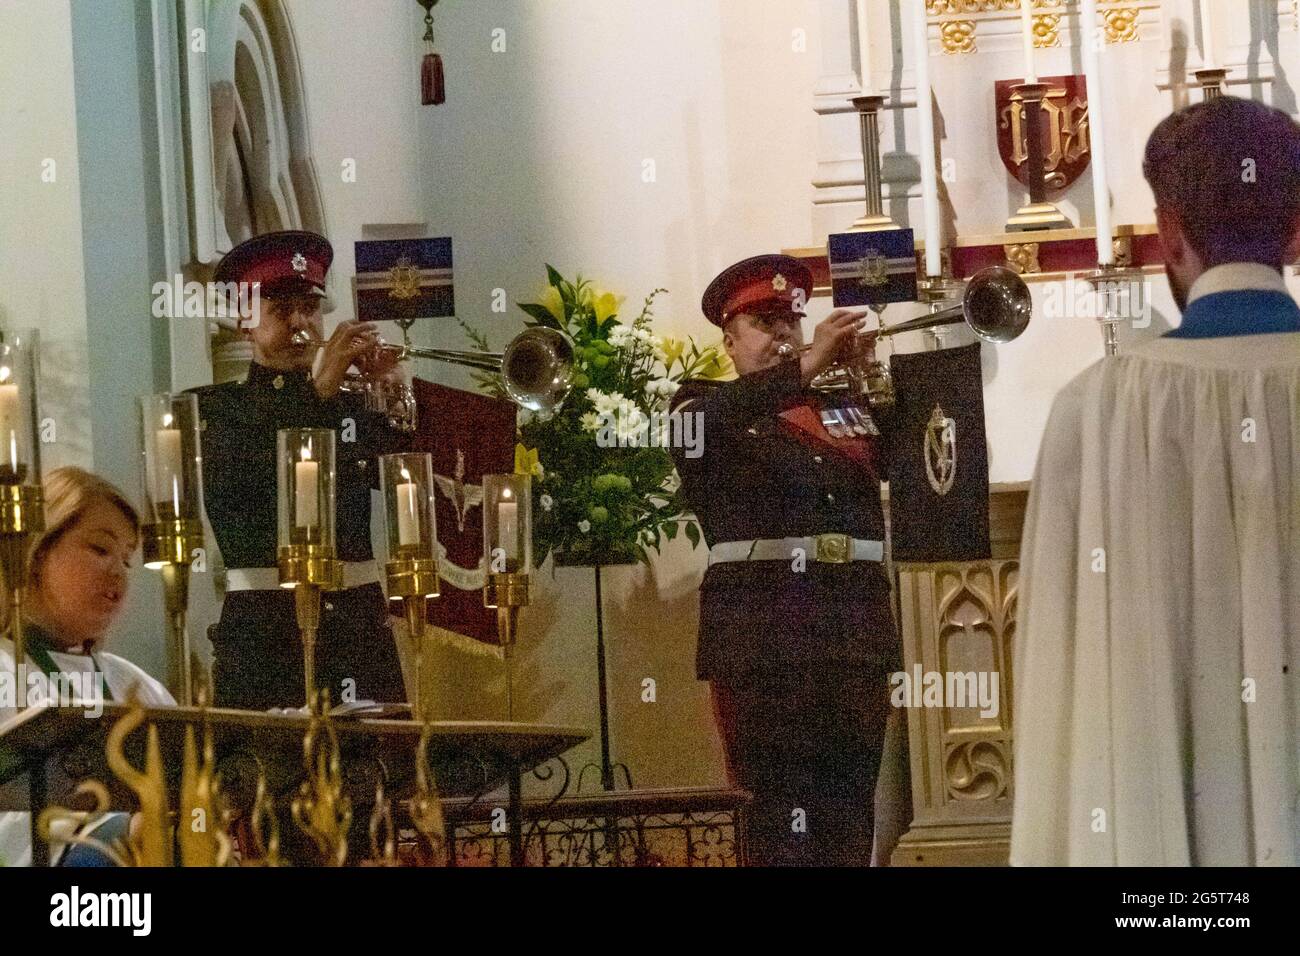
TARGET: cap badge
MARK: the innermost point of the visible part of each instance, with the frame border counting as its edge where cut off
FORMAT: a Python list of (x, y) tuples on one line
[(778, 282), (299, 262)]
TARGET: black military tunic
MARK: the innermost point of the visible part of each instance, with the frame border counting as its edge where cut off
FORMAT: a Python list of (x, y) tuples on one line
[(256, 643), (798, 658)]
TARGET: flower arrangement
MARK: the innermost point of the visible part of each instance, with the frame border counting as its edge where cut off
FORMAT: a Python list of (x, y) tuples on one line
[(605, 489)]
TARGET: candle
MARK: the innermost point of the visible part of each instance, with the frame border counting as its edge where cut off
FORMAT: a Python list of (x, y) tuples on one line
[(508, 527), (925, 113), (9, 418), (1027, 29), (408, 515), (864, 50), (1092, 46), (1207, 36), (167, 464), (306, 505)]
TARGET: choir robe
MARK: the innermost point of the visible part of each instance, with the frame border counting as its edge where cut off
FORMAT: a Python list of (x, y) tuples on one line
[(1157, 698)]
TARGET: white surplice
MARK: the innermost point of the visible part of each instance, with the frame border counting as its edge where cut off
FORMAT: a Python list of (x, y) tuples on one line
[(1157, 703), (122, 681)]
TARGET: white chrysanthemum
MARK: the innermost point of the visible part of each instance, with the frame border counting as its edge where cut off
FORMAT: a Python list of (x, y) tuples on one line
[(590, 421), (584, 525), (621, 335), (548, 502)]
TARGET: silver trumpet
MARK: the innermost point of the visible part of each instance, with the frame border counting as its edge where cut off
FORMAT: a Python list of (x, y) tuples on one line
[(996, 305), (536, 369)]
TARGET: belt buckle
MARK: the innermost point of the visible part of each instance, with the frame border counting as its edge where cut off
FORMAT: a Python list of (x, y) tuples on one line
[(834, 548)]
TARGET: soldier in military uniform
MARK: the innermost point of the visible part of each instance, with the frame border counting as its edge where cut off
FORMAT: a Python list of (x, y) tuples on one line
[(796, 632), (256, 643)]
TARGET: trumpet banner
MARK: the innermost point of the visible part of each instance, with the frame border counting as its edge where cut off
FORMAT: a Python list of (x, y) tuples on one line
[(938, 457), (467, 435)]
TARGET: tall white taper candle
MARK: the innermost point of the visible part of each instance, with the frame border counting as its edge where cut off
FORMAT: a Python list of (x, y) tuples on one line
[(1093, 42), (1027, 36), (925, 116)]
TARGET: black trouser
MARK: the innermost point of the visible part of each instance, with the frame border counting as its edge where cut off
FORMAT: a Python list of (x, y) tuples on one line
[(807, 746), (258, 649)]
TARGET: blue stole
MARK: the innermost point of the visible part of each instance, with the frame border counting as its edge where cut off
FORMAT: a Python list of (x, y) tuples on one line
[(1238, 312)]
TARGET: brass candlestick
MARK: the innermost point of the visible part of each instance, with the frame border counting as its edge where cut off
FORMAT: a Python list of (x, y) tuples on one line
[(413, 583), (1107, 281), (307, 558), (22, 503), (167, 546), (22, 517), (1038, 213), (508, 554), (507, 591), (410, 520), (874, 219), (309, 569), (170, 459)]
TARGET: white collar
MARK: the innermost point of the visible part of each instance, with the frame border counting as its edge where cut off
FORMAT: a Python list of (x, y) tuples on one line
[(1235, 276)]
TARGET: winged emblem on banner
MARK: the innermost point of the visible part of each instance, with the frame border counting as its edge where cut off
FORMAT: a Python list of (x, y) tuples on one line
[(463, 497)]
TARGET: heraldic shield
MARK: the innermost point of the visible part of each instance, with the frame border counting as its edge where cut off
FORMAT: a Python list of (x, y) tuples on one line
[(1066, 142), (467, 435), (938, 457)]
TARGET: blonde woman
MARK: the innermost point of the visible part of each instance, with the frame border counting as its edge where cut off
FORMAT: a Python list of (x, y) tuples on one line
[(77, 586)]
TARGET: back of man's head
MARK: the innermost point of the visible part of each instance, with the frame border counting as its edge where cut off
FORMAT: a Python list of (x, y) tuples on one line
[(1229, 169)]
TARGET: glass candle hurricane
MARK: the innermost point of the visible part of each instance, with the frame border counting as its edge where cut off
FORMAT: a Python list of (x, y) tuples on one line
[(407, 483), (305, 487), (507, 524), (172, 462)]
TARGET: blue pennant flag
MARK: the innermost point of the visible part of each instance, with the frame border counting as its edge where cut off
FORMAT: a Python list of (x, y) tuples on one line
[(872, 268), (404, 279)]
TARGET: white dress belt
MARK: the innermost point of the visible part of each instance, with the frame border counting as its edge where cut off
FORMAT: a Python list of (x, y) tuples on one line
[(826, 548), (355, 574)]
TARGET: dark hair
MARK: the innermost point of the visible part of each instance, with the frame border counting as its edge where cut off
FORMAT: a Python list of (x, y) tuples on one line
[(1229, 168)]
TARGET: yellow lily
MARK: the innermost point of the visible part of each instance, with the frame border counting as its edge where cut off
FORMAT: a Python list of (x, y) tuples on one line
[(605, 306), (673, 349), (526, 462), (553, 303), (718, 365)]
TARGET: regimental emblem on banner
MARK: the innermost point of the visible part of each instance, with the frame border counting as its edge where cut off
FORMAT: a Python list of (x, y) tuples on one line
[(463, 497), (404, 279), (941, 451), (1066, 144), (872, 268)]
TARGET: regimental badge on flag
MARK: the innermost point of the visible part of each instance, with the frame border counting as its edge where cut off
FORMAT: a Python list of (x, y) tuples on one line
[(938, 457), (468, 435), (872, 268), (404, 279)]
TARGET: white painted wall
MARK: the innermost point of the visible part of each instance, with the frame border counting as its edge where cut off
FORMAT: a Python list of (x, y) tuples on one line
[(41, 262)]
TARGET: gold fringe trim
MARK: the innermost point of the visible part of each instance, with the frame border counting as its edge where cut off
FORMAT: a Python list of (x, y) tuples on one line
[(467, 644)]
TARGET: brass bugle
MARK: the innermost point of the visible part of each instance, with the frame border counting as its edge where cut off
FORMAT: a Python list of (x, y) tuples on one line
[(996, 305), (536, 368)]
